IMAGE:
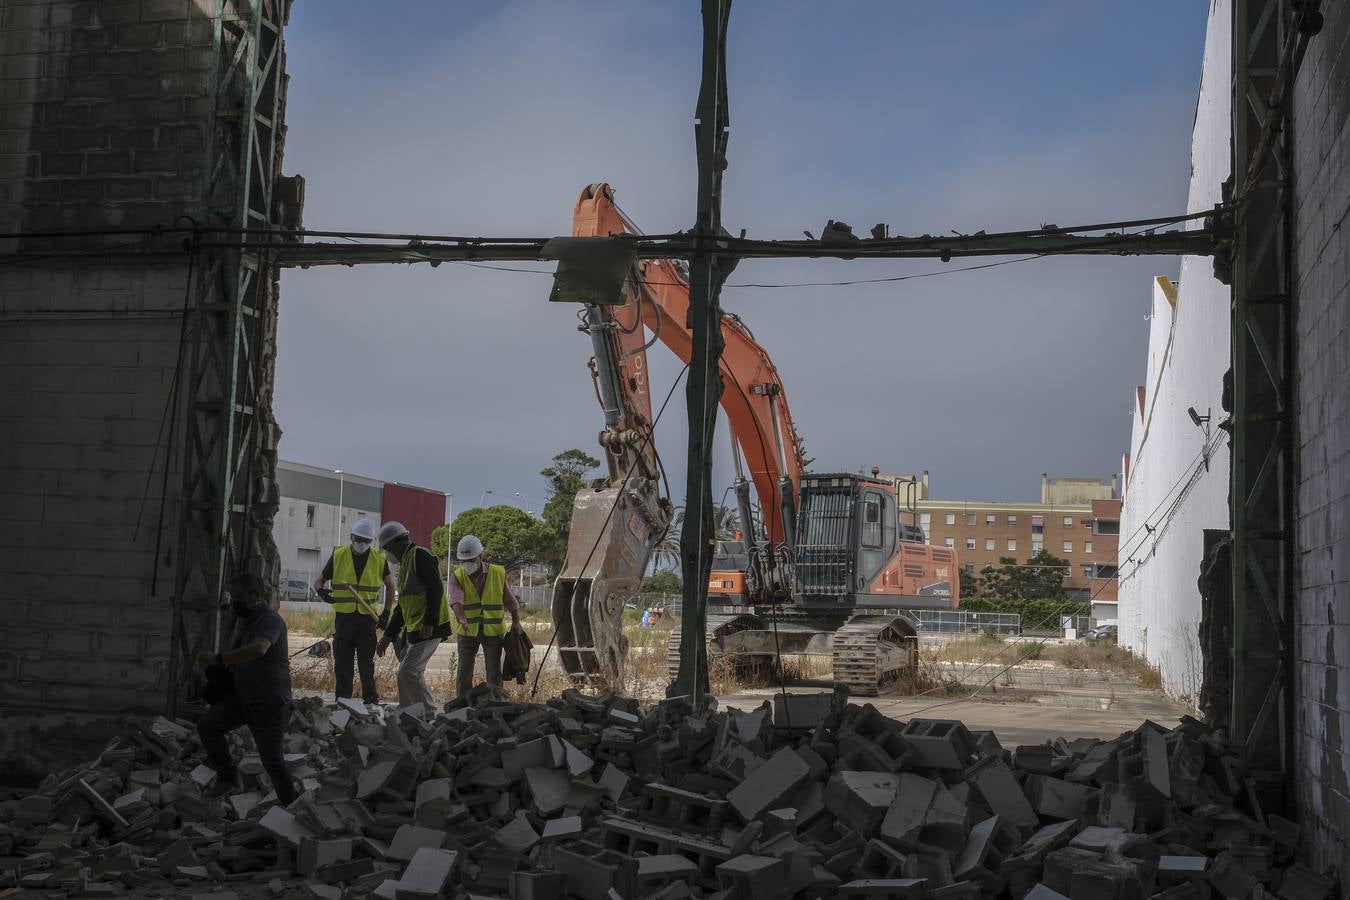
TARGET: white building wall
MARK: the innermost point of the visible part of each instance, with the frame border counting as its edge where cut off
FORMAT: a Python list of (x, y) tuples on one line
[(1170, 497), (304, 541)]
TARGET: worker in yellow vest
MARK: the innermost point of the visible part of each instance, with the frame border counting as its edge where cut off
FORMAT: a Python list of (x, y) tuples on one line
[(422, 615), (357, 573), (480, 597)]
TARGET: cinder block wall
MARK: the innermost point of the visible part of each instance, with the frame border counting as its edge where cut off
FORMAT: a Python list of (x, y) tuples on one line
[(104, 110), (1322, 265)]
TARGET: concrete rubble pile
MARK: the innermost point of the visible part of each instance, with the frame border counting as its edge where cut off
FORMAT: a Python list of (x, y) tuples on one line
[(592, 798)]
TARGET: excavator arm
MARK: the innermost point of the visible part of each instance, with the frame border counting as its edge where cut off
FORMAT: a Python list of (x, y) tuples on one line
[(617, 522)]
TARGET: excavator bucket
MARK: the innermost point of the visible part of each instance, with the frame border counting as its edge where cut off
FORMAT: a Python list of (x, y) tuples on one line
[(613, 531)]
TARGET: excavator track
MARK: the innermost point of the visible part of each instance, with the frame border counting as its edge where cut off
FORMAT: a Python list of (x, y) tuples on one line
[(717, 627), (870, 651)]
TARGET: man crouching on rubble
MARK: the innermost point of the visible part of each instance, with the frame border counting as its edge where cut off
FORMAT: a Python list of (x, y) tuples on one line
[(261, 693)]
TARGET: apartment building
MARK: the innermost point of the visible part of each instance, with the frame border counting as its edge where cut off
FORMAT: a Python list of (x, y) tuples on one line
[(1077, 520)]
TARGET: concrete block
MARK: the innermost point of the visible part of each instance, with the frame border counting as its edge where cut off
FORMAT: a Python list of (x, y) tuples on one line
[(1098, 839), (904, 819), (995, 785), (531, 754), (883, 887), (558, 829), (861, 800), (538, 885), (1301, 883), (432, 803), (548, 790), (654, 871), (613, 781), (1058, 799), (758, 877), (939, 743), (283, 826), (1156, 767), (1229, 878), (374, 779), (427, 874), (769, 785), (801, 712), (517, 835), (593, 871), (314, 853), (990, 842), (1041, 892), (409, 838)]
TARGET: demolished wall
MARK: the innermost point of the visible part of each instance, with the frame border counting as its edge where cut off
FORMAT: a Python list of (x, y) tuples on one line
[(105, 112), (1321, 144), (1160, 610)]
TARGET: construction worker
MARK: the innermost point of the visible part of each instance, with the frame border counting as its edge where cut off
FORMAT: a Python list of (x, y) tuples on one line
[(356, 571), (422, 615), (261, 696), (479, 595)]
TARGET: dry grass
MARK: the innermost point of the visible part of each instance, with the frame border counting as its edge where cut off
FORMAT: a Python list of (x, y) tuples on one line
[(1104, 657), (315, 673), (318, 622)]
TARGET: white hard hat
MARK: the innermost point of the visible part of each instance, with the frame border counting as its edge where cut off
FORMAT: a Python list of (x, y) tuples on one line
[(390, 532), (364, 529), (469, 547)]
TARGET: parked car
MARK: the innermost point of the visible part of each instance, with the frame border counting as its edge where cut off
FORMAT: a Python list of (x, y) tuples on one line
[(1102, 633)]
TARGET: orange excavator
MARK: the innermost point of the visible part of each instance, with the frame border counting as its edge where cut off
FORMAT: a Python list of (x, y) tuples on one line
[(825, 564)]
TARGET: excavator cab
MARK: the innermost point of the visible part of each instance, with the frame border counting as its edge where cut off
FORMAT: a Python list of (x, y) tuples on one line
[(854, 552)]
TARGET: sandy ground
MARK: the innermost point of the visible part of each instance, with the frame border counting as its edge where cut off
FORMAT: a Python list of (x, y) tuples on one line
[(1029, 704)]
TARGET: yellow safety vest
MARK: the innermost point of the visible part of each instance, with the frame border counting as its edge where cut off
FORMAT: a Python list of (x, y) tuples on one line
[(412, 594), (483, 610), (367, 586)]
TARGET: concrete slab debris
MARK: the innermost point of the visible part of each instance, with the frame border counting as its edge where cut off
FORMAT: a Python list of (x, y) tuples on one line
[(592, 797)]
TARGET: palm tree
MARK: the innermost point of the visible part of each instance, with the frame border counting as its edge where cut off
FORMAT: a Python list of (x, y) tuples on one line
[(666, 553)]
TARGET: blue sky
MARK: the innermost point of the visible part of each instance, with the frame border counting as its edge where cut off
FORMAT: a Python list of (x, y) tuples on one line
[(489, 118)]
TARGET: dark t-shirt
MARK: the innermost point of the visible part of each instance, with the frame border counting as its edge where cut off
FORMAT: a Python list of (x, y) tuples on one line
[(266, 680)]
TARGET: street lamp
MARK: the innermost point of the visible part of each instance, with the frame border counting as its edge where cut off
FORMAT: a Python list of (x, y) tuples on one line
[(526, 501), (337, 520), (482, 497)]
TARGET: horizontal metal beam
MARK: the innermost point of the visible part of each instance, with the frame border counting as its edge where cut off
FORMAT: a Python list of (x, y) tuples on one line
[(1199, 242)]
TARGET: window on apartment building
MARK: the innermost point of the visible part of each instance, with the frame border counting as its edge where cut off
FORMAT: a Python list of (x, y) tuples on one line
[(970, 519), (970, 543), (1012, 544), (951, 518), (1087, 546), (925, 520), (1012, 520), (1068, 521), (1088, 572), (1105, 571), (950, 542), (989, 519), (989, 543), (968, 568), (1037, 547), (309, 516), (1068, 546), (1100, 527)]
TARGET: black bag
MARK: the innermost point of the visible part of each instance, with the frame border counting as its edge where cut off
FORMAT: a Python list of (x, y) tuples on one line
[(516, 647), (218, 683)]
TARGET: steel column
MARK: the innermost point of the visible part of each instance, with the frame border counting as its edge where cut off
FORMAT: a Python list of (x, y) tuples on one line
[(703, 389), (229, 352), (1262, 491)]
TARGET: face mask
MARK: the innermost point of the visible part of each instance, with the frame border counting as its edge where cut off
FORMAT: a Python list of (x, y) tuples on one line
[(241, 607), (360, 547), (473, 567)]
